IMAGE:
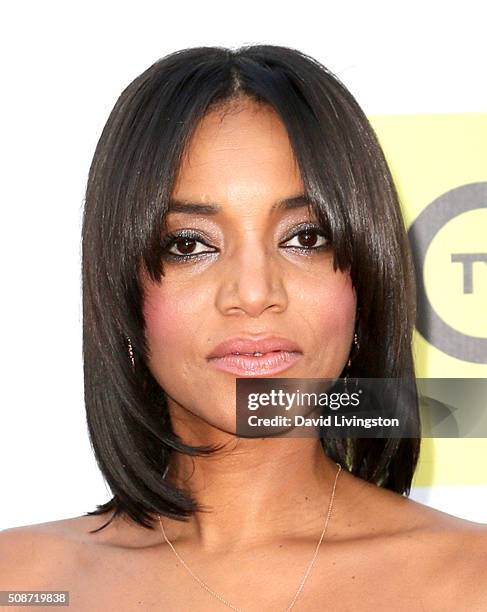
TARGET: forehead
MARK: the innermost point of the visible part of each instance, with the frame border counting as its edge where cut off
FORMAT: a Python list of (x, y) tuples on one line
[(236, 153)]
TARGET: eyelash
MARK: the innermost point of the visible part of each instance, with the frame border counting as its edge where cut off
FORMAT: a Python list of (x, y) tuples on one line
[(172, 238)]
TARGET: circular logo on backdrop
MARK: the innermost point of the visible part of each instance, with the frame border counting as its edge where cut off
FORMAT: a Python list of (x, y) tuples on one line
[(452, 288)]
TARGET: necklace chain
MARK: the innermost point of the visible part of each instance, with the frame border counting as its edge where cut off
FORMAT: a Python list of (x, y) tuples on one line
[(305, 577)]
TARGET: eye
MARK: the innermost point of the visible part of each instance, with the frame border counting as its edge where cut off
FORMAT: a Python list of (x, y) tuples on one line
[(184, 245), (310, 237)]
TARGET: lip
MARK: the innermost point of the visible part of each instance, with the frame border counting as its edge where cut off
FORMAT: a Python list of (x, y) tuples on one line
[(278, 354), (242, 344), (244, 366)]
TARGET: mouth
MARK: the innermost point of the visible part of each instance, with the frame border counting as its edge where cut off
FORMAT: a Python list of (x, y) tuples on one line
[(256, 363)]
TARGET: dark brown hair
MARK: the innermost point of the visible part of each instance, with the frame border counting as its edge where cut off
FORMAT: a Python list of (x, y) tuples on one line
[(349, 184)]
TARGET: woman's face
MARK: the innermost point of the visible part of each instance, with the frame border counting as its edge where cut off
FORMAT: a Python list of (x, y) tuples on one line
[(244, 272)]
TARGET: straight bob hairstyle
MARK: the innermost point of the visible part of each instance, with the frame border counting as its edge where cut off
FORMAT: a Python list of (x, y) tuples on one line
[(349, 188)]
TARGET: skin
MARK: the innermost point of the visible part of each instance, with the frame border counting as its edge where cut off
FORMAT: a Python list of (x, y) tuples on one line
[(250, 284), (266, 498)]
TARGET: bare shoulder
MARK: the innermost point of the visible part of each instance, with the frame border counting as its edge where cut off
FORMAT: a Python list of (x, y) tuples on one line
[(428, 526), (444, 559), (443, 555), (457, 550), (31, 555), (378, 506)]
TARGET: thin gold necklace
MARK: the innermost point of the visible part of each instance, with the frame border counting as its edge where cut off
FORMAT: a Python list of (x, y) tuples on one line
[(291, 605)]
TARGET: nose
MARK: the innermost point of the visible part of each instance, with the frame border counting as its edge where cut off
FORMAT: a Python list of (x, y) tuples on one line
[(251, 283)]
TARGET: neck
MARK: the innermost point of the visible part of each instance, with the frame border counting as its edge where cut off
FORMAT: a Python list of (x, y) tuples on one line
[(260, 491)]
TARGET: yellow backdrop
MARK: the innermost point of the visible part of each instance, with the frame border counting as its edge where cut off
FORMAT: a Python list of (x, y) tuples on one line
[(429, 156)]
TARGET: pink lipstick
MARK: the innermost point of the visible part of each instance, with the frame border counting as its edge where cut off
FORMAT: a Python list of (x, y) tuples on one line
[(247, 357)]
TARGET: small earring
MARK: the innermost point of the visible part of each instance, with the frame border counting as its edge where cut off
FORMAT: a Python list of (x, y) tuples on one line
[(356, 342), (356, 346), (131, 352)]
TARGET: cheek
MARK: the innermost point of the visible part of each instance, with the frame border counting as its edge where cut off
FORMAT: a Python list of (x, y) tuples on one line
[(331, 307), (175, 315), (167, 321)]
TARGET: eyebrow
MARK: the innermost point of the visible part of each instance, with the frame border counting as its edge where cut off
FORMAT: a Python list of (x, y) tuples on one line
[(194, 208)]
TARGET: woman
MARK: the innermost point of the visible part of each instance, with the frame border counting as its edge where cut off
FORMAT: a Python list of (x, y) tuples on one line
[(238, 202)]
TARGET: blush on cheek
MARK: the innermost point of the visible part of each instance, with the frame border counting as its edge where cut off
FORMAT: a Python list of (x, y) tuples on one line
[(345, 305), (337, 310), (162, 319), (345, 294)]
